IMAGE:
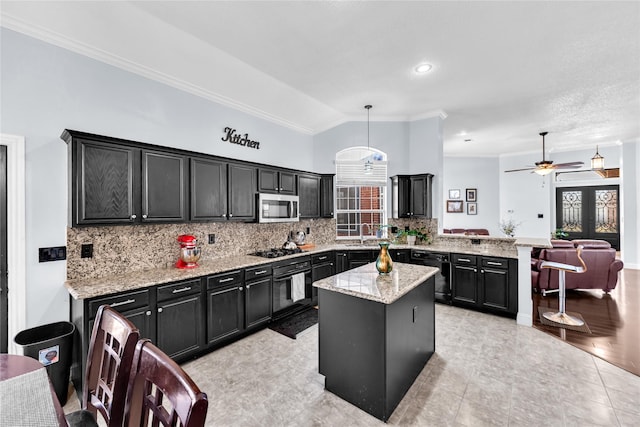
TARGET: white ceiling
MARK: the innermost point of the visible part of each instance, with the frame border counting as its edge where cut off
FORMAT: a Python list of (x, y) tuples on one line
[(503, 71)]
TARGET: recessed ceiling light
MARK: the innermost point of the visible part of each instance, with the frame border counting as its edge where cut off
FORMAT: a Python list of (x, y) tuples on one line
[(423, 68)]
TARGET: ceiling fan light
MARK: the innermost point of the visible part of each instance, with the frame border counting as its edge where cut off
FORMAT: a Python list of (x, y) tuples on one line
[(597, 161), (543, 172)]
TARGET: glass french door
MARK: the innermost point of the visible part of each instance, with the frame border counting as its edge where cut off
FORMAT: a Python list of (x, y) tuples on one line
[(589, 213)]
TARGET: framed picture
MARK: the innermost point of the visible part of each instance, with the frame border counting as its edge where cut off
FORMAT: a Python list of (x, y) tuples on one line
[(454, 206), (454, 194), (472, 208), (472, 195)]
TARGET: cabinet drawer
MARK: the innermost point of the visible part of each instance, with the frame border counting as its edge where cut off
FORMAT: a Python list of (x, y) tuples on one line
[(495, 262), (361, 255), (322, 258), (123, 302), (179, 289), (231, 278), (464, 259), (257, 272)]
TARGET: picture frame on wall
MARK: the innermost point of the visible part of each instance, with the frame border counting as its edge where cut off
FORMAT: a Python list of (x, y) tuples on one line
[(472, 208), (454, 194), (455, 206), (472, 195)]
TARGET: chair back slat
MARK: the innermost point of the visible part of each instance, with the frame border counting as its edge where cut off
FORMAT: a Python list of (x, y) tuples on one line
[(161, 393)]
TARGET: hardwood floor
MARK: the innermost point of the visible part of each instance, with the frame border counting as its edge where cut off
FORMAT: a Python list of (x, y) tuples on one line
[(614, 321)]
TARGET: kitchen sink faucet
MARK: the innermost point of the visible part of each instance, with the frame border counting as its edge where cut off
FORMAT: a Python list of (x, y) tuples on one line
[(362, 231)]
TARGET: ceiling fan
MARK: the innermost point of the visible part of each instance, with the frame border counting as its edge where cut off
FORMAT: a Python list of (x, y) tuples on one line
[(545, 167)]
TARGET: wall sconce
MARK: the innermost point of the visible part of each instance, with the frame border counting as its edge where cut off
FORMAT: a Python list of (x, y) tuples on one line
[(597, 161)]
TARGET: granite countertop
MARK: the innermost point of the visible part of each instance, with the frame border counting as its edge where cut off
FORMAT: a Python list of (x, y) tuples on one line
[(100, 286), (365, 282)]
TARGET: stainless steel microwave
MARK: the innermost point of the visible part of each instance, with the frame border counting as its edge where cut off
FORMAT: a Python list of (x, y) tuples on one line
[(278, 208)]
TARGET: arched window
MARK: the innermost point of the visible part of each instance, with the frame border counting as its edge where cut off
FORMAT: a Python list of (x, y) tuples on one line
[(361, 190)]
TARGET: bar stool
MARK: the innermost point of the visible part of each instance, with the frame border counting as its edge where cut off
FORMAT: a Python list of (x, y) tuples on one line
[(561, 316)]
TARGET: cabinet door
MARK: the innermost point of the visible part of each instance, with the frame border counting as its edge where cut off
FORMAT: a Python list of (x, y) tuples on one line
[(105, 186), (400, 255), (180, 325), (400, 196), (164, 187), (321, 271), (494, 284), (242, 192), (421, 196), (464, 288), (287, 183), (342, 262), (268, 181), (208, 190), (144, 319), (309, 193), (258, 302), (326, 196), (224, 313)]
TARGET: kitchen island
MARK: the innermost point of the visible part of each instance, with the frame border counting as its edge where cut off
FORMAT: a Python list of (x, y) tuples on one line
[(376, 333)]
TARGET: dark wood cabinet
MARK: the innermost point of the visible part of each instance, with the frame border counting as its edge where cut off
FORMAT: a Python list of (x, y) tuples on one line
[(400, 255), (225, 306), (309, 194), (326, 196), (208, 190), (113, 182), (241, 192), (258, 301), (322, 266), (276, 181), (361, 257), (411, 196), (342, 262), (164, 187), (487, 283), (180, 323)]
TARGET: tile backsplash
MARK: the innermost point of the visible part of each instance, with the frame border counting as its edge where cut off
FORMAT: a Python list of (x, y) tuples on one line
[(123, 249)]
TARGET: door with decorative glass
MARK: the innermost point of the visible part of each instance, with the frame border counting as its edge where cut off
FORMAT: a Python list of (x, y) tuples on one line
[(589, 213)]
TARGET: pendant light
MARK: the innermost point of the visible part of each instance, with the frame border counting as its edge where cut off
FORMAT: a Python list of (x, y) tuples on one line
[(368, 165), (597, 161)]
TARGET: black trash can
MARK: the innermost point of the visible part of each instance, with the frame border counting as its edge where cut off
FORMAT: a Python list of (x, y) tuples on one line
[(52, 345)]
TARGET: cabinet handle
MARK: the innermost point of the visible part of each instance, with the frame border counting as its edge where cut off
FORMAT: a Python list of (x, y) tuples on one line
[(241, 289), (464, 259), (482, 271), (228, 279), (475, 270), (331, 264), (148, 312), (494, 263), (224, 215), (116, 304), (160, 310), (260, 272), (230, 215), (144, 216), (185, 289), (133, 217), (322, 257)]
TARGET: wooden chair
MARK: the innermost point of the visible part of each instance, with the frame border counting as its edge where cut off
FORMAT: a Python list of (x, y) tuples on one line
[(561, 316), (111, 351), (161, 393)]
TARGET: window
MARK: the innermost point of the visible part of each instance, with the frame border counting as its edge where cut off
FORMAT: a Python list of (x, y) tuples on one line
[(360, 197)]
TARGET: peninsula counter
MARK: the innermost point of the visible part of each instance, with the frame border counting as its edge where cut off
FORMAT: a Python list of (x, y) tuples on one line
[(376, 333)]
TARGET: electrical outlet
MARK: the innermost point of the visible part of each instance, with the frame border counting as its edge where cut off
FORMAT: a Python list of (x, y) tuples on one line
[(540, 216), (57, 253), (212, 239), (475, 241), (308, 230), (86, 250)]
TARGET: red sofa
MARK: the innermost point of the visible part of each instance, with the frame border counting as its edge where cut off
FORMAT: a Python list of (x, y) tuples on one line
[(598, 255)]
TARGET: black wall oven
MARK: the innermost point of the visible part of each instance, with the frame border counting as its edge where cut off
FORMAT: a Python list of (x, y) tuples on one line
[(283, 272), (443, 278)]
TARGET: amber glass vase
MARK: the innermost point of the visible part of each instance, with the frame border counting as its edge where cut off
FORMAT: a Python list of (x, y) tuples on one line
[(384, 263)]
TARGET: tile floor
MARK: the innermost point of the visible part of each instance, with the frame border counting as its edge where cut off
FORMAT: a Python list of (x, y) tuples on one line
[(486, 371)]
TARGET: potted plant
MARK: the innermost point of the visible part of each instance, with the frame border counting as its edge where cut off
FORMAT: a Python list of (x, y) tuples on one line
[(413, 234), (559, 234), (508, 227)]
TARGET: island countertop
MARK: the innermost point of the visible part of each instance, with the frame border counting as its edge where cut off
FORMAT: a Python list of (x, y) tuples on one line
[(365, 282)]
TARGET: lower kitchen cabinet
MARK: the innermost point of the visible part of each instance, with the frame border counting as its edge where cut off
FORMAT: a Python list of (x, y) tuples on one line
[(322, 266), (179, 319), (486, 283), (342, 263), (225, 306), (258, 301), (361, 257), (400, 255)]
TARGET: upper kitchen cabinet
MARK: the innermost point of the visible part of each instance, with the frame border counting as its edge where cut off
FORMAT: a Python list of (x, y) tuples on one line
[(113, 182), (309, 194), (326, 196), (241, 191), (411, 196), (276, 181), (208, 190)]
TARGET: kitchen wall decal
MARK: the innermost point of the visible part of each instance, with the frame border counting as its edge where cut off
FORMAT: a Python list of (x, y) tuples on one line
[(237, 138)]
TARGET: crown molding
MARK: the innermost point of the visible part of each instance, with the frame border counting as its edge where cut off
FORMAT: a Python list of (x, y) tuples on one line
[(84, 49)]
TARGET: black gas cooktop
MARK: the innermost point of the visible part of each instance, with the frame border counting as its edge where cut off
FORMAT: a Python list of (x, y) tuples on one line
[(277, 252)]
